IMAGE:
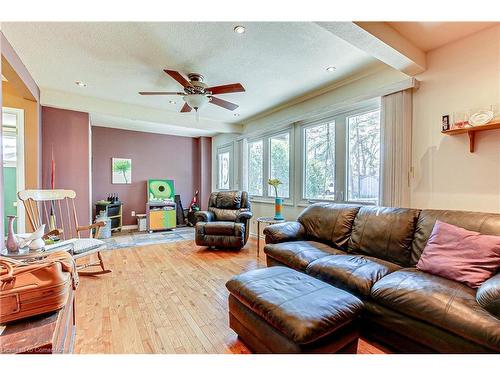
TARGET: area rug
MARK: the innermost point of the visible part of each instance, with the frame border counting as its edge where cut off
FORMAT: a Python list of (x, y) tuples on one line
[(134, 239)]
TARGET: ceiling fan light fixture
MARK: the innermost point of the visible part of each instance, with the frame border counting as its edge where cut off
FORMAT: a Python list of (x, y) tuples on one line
[(196, 101), (239, 29)]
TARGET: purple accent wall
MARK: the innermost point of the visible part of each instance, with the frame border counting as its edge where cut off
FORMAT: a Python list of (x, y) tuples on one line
[(205, 171), (153, 156), (67, 134)]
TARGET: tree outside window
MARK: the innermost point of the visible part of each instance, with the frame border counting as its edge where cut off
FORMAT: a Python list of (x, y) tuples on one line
[(279, 163), (255, 167), (320, 161), (364, 157)]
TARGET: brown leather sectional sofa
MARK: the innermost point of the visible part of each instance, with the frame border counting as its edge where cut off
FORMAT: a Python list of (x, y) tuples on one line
[(372, 252)]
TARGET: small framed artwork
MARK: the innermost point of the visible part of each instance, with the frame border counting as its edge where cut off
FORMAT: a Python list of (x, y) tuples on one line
[(445, 123), (121, 170)]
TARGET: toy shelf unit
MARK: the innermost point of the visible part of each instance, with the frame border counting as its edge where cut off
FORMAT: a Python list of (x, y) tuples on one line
[(160, 216), (113, 211), (161, 208)]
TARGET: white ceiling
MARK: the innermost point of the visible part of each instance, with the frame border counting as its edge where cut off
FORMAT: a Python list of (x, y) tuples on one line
[(430, 35), (275, 62)]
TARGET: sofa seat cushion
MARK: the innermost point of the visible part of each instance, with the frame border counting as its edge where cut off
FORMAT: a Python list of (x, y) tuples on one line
[(300, 307), (355, 273), (298, 254), (444, 303)]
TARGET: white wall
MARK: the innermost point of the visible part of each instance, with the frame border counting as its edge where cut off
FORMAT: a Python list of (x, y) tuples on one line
[(460, 76)]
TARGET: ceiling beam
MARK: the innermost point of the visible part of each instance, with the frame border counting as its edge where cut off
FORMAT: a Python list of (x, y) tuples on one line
[(65, 100), (381, 41)]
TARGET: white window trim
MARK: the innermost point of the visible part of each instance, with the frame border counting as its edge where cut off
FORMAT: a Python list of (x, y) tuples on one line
[(266, 163), (297, 159), (341, 133), (228, 147)]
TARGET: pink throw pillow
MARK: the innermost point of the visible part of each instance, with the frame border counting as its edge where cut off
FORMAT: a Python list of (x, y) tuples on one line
[(460, 254)]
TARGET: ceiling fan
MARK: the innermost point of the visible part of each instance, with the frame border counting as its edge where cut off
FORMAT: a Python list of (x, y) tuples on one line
[(197, 93)]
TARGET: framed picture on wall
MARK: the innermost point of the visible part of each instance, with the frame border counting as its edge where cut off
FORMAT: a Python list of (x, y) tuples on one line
[(121, 171), (445, 123)]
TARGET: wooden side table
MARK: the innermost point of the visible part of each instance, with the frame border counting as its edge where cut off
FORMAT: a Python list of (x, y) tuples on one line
[(51, 333), (268, 221)]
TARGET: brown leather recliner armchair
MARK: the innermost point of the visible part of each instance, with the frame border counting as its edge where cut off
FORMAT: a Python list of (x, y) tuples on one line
[(226, 224)]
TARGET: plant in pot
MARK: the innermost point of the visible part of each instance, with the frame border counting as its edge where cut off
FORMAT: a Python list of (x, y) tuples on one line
[(278, 203)]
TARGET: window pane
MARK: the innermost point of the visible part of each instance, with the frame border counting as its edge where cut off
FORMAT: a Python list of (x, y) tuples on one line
[(364, 157), (320, 161), (255, 170), (224, 170), (279, 159)]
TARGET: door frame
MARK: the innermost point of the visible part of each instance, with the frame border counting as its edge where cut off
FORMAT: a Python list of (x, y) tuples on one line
[(20, 167)]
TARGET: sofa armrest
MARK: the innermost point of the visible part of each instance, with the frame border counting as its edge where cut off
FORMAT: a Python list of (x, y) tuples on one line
[(244, 216), (284, 232), (204, 216), (488, 295)]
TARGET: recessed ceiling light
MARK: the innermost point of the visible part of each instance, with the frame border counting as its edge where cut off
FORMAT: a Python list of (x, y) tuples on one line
[(330, 69), (239, 29), (81, 84), (172, 102)]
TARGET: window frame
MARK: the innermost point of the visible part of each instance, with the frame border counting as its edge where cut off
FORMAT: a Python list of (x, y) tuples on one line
[(227, 148), (341, 153), (255, 140), (266, 197), (347, 164)]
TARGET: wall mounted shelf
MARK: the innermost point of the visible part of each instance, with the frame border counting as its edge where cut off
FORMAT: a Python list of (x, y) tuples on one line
[(471, 132)]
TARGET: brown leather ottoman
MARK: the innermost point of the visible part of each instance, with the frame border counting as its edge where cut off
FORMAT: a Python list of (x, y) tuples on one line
[(280, 310)]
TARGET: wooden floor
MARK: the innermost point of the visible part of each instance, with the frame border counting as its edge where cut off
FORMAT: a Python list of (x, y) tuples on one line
[(165, 298)]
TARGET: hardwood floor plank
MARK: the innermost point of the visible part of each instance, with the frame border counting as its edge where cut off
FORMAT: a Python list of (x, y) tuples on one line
[(164, 298)]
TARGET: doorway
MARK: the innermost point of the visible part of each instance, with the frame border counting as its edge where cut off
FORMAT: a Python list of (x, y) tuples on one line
[(13, 165)]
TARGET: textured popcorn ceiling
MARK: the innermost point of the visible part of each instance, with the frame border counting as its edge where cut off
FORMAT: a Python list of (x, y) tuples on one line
[(276, 62)]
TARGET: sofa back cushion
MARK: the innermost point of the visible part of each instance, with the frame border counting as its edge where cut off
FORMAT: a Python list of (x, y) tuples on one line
[(484, 223), (329, 222), (385, 233)]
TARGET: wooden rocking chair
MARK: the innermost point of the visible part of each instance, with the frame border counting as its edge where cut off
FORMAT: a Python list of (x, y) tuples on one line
[(56, 208)]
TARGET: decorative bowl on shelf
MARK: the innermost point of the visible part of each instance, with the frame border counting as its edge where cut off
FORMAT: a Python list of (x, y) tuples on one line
[(481, 117)]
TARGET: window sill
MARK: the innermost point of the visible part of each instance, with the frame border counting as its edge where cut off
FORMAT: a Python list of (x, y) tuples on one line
[(312, 201), (270, 201)]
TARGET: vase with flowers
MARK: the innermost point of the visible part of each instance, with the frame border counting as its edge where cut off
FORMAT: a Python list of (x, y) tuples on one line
[(278, 202)]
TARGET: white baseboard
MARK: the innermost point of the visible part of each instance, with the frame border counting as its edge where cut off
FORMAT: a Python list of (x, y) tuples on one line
[(129, 227)]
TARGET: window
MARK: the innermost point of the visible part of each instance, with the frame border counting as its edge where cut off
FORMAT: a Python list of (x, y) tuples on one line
[(224, 171), (224, 167), (319, 166), (255, 167), (341, 157), (364, 157), (269, 157), (279, 163)]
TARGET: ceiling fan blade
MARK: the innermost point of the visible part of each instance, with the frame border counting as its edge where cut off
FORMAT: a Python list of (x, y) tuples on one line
[(178, 77), (226, 89), (223, 103), (186, 108), (160, 93)]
